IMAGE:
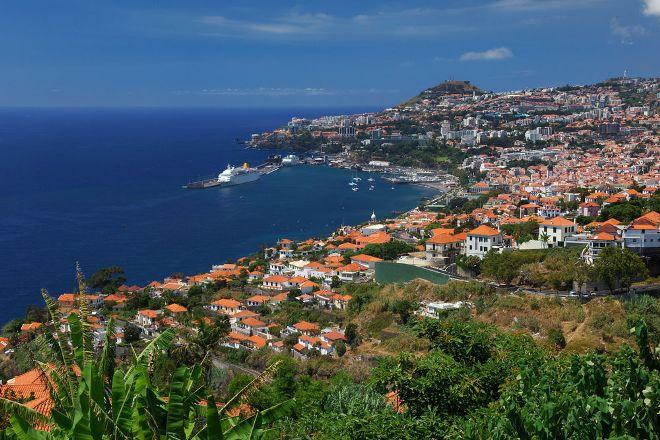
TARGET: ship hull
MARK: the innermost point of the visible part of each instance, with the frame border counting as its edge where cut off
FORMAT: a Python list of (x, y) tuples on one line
[(235, 180), (241, 179)]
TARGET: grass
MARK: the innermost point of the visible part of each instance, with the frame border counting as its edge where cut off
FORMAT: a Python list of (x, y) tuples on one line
[(600, 324)]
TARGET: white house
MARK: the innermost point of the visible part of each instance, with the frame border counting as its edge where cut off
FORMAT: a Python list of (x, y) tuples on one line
[(481, 240), (556, 229), (643, 234)]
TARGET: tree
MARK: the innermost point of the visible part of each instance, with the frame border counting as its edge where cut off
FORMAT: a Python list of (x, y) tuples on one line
[(625, 211), (131, 333), (340, 347), (618, 268), (544, 237), (556, 337), (107, 279), (336, 282), (352, 335), (404, 308), (388, 251)]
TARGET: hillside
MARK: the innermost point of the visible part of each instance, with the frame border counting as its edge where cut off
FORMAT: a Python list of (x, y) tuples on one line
[(449, 87)]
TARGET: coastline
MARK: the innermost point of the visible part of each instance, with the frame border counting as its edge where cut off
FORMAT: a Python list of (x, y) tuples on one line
[(193, 252)]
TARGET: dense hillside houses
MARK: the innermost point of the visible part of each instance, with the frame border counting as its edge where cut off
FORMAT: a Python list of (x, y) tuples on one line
[(544, 182)]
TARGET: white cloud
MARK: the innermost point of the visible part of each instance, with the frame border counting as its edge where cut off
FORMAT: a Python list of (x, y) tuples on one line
[(538, 5), (259, 91), (652, 7), (499, 53), (626, 33), (280, 91), (393, 23)]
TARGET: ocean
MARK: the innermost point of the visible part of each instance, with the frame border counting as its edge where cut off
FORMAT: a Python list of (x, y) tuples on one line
[(103, 187)]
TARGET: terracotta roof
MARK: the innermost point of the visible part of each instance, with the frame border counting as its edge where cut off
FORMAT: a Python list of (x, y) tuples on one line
[(227, 302), (557, 221), (603, 236), (484, 230), (444, 239), (276, 279), (253, 322), (366, 258), (176, 308), (306, 326), (30, 326)]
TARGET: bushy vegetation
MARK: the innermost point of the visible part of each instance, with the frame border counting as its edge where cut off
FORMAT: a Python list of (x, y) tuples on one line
[(555, 268), (476, 382), (628, 210)]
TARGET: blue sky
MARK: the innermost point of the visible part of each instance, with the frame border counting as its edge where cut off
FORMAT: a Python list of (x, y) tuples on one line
[(310, 53)]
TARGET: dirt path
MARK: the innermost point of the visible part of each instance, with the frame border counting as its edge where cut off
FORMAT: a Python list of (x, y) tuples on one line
[(579, 330)]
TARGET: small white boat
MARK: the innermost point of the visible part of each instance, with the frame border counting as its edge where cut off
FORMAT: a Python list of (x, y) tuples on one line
[(355, 188), (371, 188), (352, 183), (370, 179)]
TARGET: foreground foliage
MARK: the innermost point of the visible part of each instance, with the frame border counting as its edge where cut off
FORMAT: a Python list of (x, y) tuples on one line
[(95, 399), (478, 383)]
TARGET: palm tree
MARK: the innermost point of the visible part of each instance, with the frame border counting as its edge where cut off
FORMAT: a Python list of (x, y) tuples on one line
[(93, 399), (544, 237)]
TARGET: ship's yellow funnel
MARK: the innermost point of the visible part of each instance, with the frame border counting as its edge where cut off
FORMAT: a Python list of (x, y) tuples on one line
[(245, 165)]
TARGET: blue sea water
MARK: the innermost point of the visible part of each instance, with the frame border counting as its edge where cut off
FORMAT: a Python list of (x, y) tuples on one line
[(103, 187)]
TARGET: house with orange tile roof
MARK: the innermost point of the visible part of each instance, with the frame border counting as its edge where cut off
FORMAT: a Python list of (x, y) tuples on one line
[(557, 230), (252, 326), (340, 301), (643, 235), (31, 388), (30, 327), (480, 188), (277, 299), (443, 247), (324, 297), (304, 327), (589, 209), (347, 247), (233, 319), (176, 309), (66, 301), (366, 260), (375, 238), (597, 243), (308, 287), (257, 300), (117, 300), (226, 306), (312, 343), (482, 239), (147, 318), (351, 272), (276, 282), (278, 267)]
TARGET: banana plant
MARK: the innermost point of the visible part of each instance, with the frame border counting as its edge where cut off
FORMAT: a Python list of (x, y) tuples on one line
[(95, 400)]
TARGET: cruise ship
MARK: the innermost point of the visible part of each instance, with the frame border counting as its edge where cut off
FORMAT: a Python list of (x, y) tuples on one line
[(290, 160), (229, 177)]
